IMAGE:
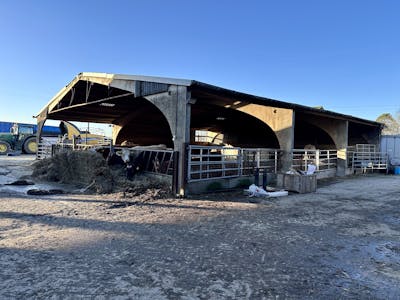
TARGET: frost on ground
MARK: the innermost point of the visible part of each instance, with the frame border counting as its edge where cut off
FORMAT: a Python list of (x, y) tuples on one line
[(341, 242)]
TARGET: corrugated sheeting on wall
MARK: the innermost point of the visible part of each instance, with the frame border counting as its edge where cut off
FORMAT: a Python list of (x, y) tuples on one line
[(149, 88), (391, 145)]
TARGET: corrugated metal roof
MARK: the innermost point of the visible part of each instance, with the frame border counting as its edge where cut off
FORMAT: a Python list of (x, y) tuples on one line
[(158, 84), (279, 103)]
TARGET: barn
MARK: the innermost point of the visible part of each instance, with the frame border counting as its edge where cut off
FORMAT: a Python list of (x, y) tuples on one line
[(216, 133)]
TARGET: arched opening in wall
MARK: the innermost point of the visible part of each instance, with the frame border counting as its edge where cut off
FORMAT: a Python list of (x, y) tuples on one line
[(144, 125), (307, 135), (215, 125), (362, 134)]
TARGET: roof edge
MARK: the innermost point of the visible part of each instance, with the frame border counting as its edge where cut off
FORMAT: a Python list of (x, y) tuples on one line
[(289, 105), (166, 80)]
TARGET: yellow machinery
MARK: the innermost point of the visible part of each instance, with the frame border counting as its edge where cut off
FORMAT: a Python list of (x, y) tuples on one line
[(69, 131)]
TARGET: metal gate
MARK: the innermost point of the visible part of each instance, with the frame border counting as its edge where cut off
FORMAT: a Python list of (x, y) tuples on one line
[(366, 157), (212, 162), (322, 159)]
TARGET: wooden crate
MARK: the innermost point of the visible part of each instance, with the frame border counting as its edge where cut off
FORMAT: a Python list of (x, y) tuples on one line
[(297, 183)]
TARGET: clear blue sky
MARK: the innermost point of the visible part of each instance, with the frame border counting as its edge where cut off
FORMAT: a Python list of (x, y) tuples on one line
[(343, 55)]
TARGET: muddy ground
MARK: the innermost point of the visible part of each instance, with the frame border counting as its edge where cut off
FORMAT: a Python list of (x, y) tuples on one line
[(342, 242)]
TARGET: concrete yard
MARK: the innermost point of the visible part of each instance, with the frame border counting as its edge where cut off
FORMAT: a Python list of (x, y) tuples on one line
[(342, 242)]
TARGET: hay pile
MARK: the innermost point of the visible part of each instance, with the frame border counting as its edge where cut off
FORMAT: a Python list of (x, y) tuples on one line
[(90, 171), (80, 168)]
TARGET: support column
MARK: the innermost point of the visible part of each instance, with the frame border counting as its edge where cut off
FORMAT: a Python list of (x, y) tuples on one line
[(286, 141), (181, 135), (41, 119), (341, 141), (176, 107)]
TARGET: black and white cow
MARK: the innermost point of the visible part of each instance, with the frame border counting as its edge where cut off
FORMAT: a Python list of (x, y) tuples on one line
[(134, 162)]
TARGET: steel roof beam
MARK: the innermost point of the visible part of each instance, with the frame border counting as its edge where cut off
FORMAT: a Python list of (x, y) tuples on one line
[(91, 102)]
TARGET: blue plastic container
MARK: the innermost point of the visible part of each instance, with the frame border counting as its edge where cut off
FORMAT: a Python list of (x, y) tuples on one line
[(397, 170)]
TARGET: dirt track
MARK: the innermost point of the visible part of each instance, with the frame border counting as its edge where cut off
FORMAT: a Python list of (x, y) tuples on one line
[(341, 242)]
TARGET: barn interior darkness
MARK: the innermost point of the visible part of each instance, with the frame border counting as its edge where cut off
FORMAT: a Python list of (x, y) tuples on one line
[(145, 125), (361, 134), (234, 128), (308, 134)]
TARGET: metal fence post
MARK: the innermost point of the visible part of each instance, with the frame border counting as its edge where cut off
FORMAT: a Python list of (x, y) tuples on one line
[(73, 142), (258, 158), (329, 158), (189, 150), (257, 176), (175, 173), (305, 160), (264, 179), (240, 161)]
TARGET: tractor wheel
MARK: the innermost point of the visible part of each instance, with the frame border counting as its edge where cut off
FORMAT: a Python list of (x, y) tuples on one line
[(30, 145), (4, 148)]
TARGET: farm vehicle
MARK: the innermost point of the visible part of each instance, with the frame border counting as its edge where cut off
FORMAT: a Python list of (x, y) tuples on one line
[(22, 137)]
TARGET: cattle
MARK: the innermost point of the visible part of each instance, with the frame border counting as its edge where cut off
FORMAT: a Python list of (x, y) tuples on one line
[(134, 159), (134, 163), (111, 157), (138, 163), (124, 154)]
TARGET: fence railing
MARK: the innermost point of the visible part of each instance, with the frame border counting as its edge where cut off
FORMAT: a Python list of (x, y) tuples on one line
[(366, 157), (260, 158), (211, 162), (156, 161), (47, 148), (349, 155), (365, 148), (208, 162), (322, 159), (59, 147), (44, 150), (369, 160)]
